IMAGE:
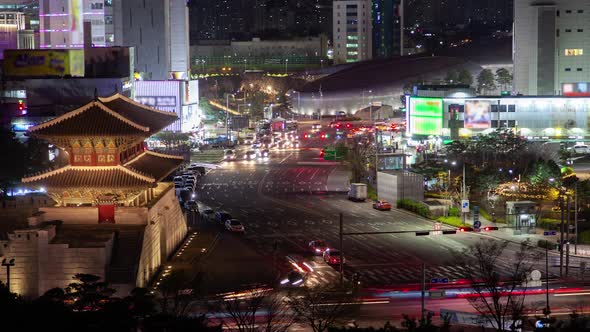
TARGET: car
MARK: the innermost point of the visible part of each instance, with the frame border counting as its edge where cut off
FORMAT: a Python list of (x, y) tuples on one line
[(581, 149), (333, 256), (249, 155), (208, 214), (249, 139), (264, 153), (222, 217), (318, 247), (234, 225), (189, 188), (229, 155), (189, 183), (335, 124), (293, 279), (295, 144), (316, 126), (191, 205), (382, 205), (178, 180)]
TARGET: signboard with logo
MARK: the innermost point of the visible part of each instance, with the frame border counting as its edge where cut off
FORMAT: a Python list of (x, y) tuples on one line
[(580, 89), (465, 205), (477, 114), (426, 116), (42, 63)]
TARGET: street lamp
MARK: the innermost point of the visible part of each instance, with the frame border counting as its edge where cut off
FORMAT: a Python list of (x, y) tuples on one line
[(227, 113), (286, 65), (245, 61), (370, 108), (8, 264), (298, 102)]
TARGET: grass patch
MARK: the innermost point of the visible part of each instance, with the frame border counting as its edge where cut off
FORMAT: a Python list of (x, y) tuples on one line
[(585, 237), (453, 221), (414, 206), (207, 156), (546, 244)]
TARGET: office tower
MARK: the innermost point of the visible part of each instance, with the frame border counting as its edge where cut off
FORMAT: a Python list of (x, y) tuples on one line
[(352, 30)]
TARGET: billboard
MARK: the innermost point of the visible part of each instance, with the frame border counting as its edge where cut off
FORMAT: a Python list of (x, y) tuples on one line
[(43, 63), (477, 114), (425, 116), (581, 89)]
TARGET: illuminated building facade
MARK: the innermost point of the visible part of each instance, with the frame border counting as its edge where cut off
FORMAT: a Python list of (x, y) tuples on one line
[(114, 216)]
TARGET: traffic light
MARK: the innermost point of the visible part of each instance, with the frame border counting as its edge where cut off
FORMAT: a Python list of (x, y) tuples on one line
[(322, 153), (22, 108), (348, 125), (323, 136), (465, 229), (490, 228)]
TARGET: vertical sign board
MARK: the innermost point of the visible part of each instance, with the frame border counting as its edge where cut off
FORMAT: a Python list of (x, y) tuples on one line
[(476, 222), (425, 116), (465, 205)]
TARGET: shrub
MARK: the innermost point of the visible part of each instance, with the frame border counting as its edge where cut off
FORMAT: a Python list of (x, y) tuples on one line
[(549, 223), (546, 244), (585, 237), (413, 206), (487, 216), (371, 192), (454, 212)]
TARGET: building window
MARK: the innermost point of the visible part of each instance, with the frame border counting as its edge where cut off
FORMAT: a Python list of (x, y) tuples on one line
[(568, 11), (352, 37), (352, 45), (568, 30), (352, 53), (557, 33), (579, 69), (574, 51), (557, 13), (580, 11), (568, 69), (580, 30)]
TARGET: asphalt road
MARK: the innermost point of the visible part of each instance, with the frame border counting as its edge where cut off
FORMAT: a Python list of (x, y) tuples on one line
[(283, 205)]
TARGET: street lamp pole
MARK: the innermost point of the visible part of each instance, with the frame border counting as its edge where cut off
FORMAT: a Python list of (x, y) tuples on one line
[(286, 66), (8, 264)]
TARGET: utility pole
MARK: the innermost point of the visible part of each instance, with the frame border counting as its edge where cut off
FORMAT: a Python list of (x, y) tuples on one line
[(561, 239), (567, 239), (547, 311), (341, 250), (576, 218), (463, 195), (423, 292)]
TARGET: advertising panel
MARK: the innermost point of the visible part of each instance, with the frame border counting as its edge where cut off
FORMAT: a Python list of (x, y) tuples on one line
[(477, 114), (426, 116), (42, 63), (581, 89)]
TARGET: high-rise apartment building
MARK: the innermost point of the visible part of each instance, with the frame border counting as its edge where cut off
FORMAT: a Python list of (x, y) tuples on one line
[(158, 31), (352, 30), (551, 47), (387, 28), (62, 23)]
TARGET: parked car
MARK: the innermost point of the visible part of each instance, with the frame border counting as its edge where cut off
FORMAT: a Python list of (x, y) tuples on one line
[(382, 205), (581, 149), (234, 225), (318, 247), (222, 217), (333, 256)]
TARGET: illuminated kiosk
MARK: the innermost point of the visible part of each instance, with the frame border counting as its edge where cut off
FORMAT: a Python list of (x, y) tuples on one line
[(114, 217), (521, 216)]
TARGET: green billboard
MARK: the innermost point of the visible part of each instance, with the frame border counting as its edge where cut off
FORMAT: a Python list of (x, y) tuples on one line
[(426, 116)]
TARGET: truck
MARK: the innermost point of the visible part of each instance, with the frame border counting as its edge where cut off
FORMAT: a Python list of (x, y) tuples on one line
[(357, 192)]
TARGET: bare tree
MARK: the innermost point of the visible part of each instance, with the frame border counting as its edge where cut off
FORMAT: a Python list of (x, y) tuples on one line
[(498, 294), (320, 308), (262, 311), (178, 290), (359, 155)]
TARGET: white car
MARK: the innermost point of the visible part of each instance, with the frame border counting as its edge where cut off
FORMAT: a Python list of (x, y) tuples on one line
[(581, 149), (250, 155), (229, 155), (234, 225)]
